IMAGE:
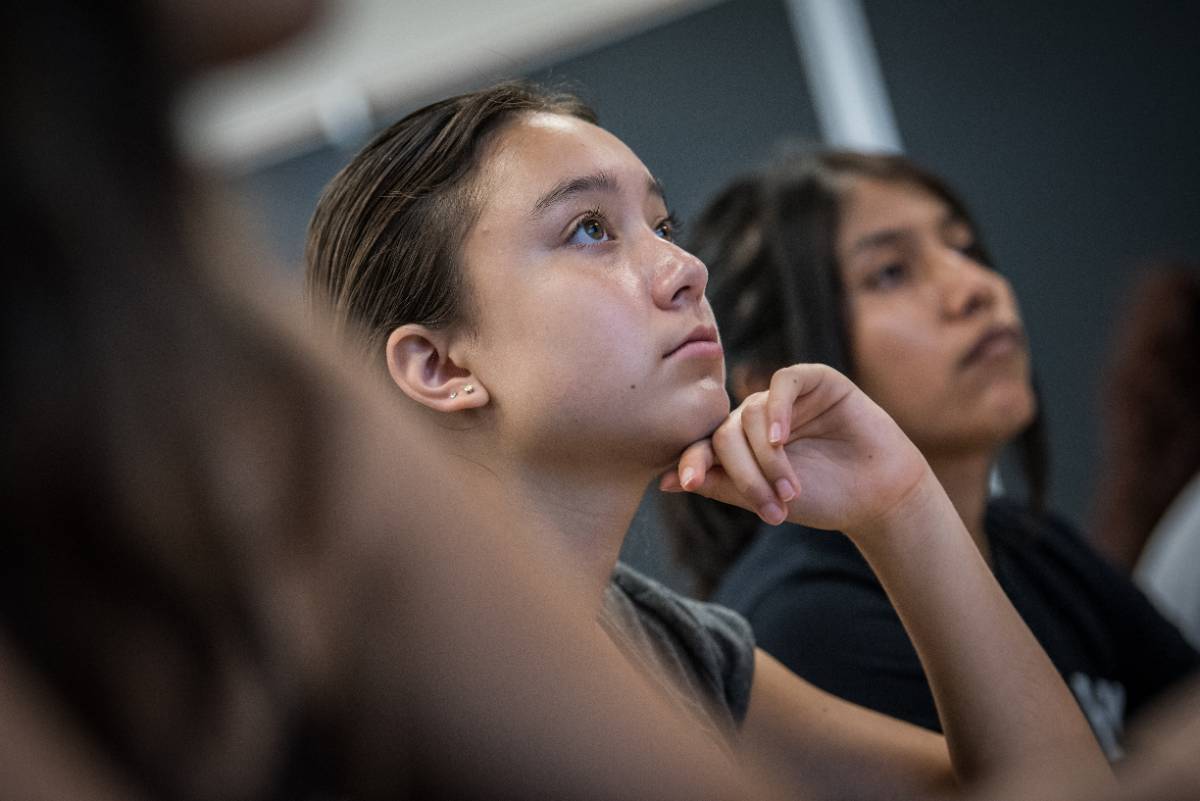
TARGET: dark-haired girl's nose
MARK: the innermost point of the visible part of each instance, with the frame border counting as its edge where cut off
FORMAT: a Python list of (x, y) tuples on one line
[(968, 286), (679, 277)]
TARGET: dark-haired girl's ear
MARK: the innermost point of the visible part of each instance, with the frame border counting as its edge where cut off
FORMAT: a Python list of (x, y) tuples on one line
[(419, 363)]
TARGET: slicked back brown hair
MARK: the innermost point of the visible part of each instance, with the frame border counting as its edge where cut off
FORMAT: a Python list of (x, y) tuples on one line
[(384, 243)]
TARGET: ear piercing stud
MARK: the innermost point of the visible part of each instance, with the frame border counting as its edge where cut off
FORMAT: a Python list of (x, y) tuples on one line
[(469, 388), (453, 395)]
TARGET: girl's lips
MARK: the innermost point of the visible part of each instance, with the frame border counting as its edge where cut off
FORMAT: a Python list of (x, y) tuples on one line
[(700, 341), (698, 349), (996, 341)]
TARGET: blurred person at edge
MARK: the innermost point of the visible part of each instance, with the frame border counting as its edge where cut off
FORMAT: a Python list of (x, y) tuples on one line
[(1147, 510), (873, 265), (219, 540)]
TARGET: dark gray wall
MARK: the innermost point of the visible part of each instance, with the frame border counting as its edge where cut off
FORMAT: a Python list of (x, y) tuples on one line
[(1071, 130)]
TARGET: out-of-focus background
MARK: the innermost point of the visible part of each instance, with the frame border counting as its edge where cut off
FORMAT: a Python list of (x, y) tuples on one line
[(1070, 128)]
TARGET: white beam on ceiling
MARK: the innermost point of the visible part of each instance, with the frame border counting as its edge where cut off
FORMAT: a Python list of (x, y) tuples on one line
[(848, 91), (368, 57)]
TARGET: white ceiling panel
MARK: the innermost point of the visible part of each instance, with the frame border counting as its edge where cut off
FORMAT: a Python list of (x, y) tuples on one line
[(364, 57)]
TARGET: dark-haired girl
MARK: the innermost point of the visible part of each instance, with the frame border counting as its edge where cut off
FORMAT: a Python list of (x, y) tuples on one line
[(512, 268), (873, 265)]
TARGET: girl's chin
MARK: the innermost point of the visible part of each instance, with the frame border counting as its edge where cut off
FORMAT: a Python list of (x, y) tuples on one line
[(666, 453), (1006, 411), (708, 418), (985, 430), (715, 402), (1005, 427), (1018, 412)]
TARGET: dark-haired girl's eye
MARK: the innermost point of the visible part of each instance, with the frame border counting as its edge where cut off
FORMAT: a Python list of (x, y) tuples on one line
[(590, 230), (888, 276)]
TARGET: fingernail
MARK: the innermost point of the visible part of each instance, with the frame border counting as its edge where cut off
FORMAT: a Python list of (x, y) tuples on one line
[(785, 489), (776, 433), (686, 476), (772, 514)]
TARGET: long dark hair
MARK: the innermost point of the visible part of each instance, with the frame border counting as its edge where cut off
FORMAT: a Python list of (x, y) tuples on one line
[(769, 239)]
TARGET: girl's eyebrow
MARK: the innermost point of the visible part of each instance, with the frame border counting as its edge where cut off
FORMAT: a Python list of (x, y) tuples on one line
[(571, 188), (602, 181), (888, 236), (894, 236)]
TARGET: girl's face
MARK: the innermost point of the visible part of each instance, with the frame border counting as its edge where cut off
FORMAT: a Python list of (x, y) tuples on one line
[(593, 335), (936, 336)]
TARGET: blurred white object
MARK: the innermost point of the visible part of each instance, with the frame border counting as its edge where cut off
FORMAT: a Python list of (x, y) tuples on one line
[(1169, 568), (843, 72), (364, 57)]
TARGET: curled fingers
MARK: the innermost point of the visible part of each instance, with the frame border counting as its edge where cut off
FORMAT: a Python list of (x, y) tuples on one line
[(771, 457), (739, 462)]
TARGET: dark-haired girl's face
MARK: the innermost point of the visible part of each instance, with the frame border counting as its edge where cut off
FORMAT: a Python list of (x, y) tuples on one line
[(594, 338), (936, 336)]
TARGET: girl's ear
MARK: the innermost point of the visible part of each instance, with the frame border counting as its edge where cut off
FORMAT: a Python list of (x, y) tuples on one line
[(418, 361)]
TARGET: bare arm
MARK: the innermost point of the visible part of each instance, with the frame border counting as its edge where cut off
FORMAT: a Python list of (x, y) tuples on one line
[(827, 747), (1004, 707), (847, 466), (1160, 762)]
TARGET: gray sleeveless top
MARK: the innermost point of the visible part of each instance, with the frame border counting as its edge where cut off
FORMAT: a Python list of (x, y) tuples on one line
[(702, 655)]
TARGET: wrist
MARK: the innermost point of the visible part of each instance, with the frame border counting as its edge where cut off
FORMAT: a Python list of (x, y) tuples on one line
[(918, 512)]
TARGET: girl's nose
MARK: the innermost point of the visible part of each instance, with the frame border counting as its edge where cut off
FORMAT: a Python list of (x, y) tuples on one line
[(679, 277), (968, 286)]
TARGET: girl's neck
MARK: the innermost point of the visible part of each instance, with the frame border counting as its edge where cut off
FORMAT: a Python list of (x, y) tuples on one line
[(966, 477), (582, 513)]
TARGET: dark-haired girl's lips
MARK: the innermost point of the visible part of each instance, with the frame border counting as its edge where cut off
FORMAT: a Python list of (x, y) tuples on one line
[(1000, 341)]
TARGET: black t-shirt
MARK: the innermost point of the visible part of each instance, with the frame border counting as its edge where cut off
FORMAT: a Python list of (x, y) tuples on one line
[(816, 606)]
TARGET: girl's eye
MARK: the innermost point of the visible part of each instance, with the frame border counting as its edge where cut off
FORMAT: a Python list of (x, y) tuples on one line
[(888, 276), (591, 230), (668, 229)]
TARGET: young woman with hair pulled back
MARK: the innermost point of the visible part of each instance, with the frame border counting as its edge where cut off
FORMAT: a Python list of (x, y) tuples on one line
[(512, 267), (208, 578), (873, 265)]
